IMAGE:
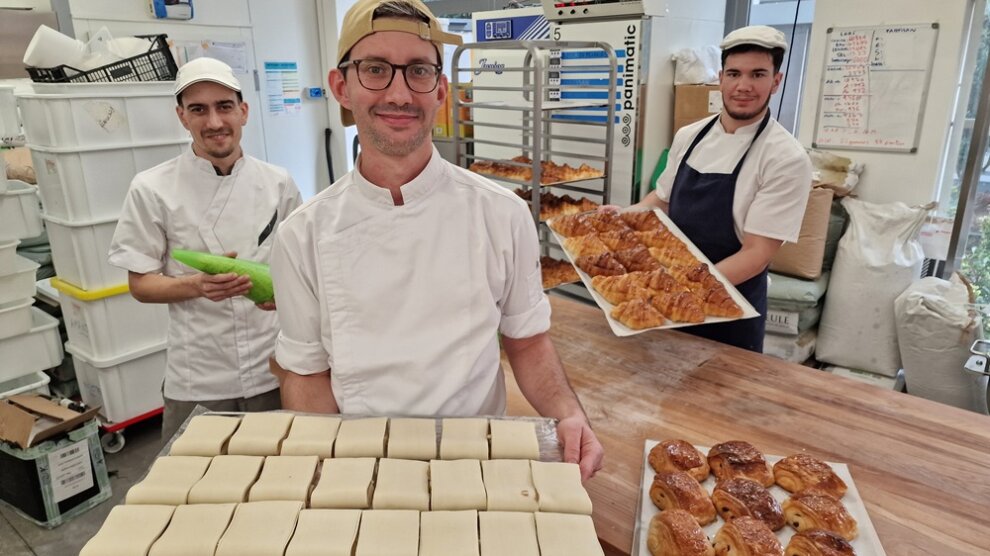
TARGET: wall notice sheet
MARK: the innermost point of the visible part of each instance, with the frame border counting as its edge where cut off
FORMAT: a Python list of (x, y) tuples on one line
[(283, 93), (874, 87)]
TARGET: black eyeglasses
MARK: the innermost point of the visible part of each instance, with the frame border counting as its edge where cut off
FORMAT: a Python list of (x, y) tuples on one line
[(377, 75)]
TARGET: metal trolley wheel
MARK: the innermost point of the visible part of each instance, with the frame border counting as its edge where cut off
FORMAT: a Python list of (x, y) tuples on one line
[(112, 442)]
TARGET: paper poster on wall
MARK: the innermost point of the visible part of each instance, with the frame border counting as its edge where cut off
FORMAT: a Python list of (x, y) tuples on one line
[(283, 93), (874, 87), (234, 54)]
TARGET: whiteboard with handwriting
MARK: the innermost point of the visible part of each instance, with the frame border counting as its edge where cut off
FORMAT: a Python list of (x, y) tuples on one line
[(874, 87)]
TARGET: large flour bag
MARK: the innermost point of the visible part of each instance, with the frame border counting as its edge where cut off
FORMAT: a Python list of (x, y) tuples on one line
[(878, 258), (936, 325)]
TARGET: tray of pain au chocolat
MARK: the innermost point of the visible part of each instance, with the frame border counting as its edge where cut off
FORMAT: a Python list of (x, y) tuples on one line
[(645, 274), (732, 500)]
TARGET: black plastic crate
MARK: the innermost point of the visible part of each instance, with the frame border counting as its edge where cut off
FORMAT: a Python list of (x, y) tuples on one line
[(157, 64)]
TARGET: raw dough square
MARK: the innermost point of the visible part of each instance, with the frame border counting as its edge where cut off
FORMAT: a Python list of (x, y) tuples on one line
[(448, 533), (388, 533), (508, 534), (311, 436), (464, 439), (457, 485), (361, 438), (285, 478), (205, 435), (567, 535), (559, 489), (260, 434), (325, 533), (169, 480), (129, 530), (260, 529), (514, 440), (344, 483), (402, 484), (194, 530), (509, 485), (412, 439), (228, 479)]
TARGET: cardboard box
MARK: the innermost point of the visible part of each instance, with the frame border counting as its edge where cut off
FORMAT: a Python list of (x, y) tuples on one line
[(57, 479), (695, 102), (28, 419)]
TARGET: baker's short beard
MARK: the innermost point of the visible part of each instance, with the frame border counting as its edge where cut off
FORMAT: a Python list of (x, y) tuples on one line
[(744, 116), (382, 142)]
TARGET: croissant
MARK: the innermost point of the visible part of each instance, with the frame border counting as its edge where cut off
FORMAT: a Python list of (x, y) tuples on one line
[(679, 455), (803, 472), (637, 259), (815, 510), (570, 226), (818, 542), (677, 533), (555, 273), (619, 289), (747, 536), (698, 273), (600, 265), (638, 314), (678, 490), (671, 255), (657, 238), (718, 303), (607, 222), (642, 220), (660, 280), (740, 497), (588, 244), (618, 240), (738, 458), (679, 306)]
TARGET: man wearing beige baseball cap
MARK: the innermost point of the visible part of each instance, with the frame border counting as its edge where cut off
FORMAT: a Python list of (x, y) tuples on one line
[(737, 184), (396, 284), (212, 198)]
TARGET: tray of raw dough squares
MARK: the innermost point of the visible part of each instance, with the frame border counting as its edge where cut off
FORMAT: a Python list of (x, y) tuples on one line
[(297, 484)]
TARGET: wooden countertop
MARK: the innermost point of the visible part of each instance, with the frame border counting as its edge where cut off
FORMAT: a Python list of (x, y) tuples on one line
[(922, 468)]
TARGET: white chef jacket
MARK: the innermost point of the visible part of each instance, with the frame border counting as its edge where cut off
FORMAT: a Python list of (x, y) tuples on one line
[(774, 182), (403, 303), (216, 350)]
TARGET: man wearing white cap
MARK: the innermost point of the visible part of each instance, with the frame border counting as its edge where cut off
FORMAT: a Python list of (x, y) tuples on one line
[(401, 276), (737, 184), (211, 198)]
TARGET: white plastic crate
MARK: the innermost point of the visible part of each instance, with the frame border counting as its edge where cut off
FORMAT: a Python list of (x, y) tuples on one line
[(100, 114), (15, 318), (109, 322), (79, 251), (37, 349), (85, 184), (34, 383), (10, 127), (17, 281), (8, 251), (126, 386), (20, 211)]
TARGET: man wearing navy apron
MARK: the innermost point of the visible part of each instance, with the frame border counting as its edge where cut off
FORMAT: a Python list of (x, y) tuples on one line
[(737, 184)]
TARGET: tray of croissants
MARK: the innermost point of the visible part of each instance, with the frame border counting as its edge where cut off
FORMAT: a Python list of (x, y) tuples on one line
[(733, 500), (519, 169), (644, 273)]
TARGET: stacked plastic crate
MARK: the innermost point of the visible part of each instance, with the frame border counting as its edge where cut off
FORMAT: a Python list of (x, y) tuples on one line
[(87, 142), (29, 339)]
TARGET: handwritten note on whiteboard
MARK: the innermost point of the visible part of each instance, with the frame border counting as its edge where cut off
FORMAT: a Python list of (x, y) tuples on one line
[(874, 87)]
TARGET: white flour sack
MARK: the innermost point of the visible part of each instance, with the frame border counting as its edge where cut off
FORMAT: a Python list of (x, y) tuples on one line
[(936, 325), (878, 258)]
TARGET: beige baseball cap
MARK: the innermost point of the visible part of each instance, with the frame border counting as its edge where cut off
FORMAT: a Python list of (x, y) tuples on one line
[(359, 22), (760, 35), (206, 69)]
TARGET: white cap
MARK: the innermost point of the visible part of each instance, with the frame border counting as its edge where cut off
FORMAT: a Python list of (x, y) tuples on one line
[(759, 35), (206, 69)]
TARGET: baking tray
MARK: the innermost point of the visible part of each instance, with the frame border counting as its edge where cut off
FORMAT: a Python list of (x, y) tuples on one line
[(867, 543), (620, 329)]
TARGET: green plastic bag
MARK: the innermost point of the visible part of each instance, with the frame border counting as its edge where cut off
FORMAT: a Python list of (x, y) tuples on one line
[(261, 278)]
